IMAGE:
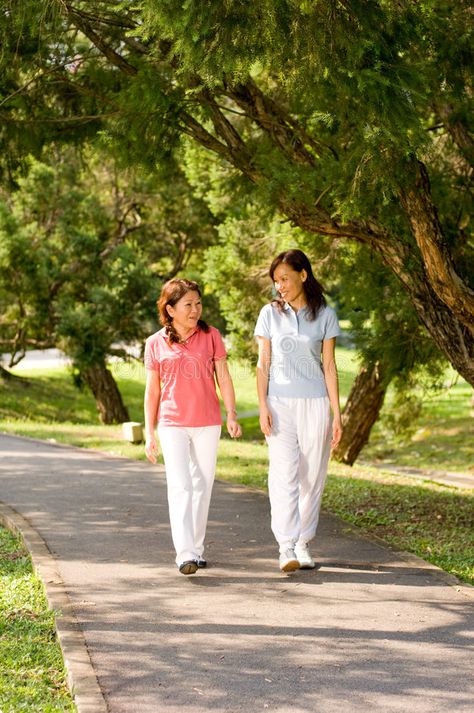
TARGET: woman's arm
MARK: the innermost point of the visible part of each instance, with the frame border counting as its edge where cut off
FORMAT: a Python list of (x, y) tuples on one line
[(263, 373), (332, 385), (226, 387), (151, 403)]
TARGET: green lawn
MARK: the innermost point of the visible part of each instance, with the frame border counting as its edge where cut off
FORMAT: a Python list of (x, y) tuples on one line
[(32, 675), (441, 438)]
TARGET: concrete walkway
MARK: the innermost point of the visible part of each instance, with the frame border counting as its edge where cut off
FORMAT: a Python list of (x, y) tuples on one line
[(370, 630), (443, 477)]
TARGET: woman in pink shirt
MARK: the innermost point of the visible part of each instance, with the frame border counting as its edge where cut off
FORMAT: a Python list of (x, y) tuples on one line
[(183, 362)]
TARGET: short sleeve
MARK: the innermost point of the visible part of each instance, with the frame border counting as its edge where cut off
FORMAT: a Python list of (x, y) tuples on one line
[(150, 359), (220, 351), (262, 328), (331, 326)]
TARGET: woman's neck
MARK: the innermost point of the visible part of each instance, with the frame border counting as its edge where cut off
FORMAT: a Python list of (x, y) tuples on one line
[(183, 332), (298, 303)]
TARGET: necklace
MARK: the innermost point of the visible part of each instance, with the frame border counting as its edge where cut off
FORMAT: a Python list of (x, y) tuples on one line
[(184, 340)]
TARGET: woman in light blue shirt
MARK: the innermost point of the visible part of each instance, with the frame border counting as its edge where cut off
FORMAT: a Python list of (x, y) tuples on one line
[(297, 391)]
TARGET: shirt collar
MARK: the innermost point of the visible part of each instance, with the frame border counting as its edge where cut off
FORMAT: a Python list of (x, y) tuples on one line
[(287, 307)]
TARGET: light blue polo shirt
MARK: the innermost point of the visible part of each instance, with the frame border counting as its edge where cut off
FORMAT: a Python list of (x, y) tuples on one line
[(296, 341)]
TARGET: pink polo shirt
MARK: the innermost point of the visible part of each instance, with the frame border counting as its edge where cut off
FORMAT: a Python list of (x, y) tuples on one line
[(188, 389)]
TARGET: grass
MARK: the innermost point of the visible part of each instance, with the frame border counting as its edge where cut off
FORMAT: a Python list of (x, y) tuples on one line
[(32, 675), (432, 521), (440, 438)]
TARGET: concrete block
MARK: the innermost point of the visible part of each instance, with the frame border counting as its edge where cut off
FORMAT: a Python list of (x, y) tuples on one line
[(132, 431)]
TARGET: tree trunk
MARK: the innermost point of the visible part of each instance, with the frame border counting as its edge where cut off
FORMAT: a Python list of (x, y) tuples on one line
[(447, 284), (452, 337), (106, 393), (360, 413), (458, 131), (6, 375)]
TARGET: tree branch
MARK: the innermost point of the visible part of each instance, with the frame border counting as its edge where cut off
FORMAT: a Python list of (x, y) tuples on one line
[(114, 57), (459, 133), (238, 150), (112, 19), (285, 132), (191, 127), (446, 282)]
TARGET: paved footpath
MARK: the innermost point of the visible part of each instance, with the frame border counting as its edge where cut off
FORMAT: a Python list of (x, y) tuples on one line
[(370, 630)]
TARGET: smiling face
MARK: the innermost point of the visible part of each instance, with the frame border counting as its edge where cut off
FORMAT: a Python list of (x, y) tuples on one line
[(289, 283), (186, 313)]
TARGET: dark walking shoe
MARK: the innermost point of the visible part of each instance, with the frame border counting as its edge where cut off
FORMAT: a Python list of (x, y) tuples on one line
[(188, 567), (202, 563)]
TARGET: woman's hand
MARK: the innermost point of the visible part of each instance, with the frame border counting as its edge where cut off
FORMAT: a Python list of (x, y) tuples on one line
[(266, 421), (233, 426), (336, 432), (151, 449)]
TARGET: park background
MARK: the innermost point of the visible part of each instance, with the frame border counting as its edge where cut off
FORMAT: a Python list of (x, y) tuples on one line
[(171, 139)]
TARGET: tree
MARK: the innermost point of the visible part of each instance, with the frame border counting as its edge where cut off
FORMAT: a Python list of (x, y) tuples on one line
[(350, 117), (83, 254), (393, 346)]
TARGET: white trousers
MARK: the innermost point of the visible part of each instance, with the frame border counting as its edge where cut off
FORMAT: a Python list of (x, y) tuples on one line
[(190, 456), (299, 450)]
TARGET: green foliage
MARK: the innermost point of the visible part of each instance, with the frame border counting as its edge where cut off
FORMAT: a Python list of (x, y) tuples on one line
[(401, 418), (349, 95), (86, 250), (357, 66), (32, 675), (146, 123), (86, 281), (437, 526), (235, 270), (364, 81), (361, 77), (384, 325), (22, 282)]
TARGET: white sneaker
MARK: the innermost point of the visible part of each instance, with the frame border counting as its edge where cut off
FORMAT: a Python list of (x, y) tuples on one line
[(288, 561), (304, 558)]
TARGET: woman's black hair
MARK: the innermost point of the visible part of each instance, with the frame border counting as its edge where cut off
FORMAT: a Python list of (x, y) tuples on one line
[(313, 290)]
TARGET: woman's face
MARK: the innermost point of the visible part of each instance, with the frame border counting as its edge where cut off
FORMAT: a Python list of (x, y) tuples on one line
[(289, 283), (187, 311)]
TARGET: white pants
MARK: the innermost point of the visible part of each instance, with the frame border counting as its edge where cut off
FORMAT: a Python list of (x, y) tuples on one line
[(299, 450), (190, 461)]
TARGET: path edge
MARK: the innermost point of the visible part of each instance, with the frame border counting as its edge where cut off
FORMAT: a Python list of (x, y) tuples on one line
[(82, 680)]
